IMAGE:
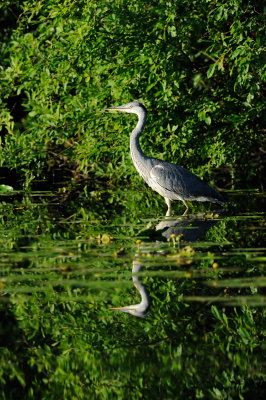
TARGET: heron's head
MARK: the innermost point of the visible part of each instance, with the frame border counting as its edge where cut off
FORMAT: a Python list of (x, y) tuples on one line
[(135, 107)]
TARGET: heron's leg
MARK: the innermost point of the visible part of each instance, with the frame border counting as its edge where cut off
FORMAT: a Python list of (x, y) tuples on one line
[(169, 211), (187, 207)]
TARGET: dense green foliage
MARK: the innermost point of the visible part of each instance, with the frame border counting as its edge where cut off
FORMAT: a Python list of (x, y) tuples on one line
[(197, 65)]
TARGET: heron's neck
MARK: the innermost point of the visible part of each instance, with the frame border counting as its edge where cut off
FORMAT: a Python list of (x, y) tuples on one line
[(145, 299), (135, 148), (137, 281)]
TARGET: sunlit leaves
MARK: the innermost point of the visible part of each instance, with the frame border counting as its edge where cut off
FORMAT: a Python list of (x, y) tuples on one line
[(67, 61)]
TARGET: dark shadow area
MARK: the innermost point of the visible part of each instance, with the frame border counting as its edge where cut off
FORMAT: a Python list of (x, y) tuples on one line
[(12, 339), (10, 177)]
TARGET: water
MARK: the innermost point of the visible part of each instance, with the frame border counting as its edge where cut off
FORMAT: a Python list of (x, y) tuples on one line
[(195, 285)]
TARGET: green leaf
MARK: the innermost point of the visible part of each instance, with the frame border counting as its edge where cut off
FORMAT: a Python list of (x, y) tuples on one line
[(208, 120), (216, 313), (6, 188), (211, 70)]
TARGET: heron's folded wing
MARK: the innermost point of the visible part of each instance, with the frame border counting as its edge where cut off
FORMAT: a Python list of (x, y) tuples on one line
[(182, 182), (169, 177)]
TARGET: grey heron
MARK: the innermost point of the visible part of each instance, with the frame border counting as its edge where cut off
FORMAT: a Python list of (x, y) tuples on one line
[(169, 180)]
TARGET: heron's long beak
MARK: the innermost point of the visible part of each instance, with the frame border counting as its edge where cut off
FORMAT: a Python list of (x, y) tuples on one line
[(122, 309), (116, 108)]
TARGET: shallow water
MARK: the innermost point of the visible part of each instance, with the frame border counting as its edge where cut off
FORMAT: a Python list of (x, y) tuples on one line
[(64, 267), (214, 249)]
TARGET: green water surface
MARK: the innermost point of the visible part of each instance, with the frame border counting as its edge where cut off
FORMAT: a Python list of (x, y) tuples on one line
[(65, 262)]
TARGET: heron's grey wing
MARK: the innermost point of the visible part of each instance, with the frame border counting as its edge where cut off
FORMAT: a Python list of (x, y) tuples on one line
[(181, 182), (167, 178)]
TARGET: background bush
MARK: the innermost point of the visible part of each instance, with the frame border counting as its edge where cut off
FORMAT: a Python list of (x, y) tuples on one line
[(197, 66)]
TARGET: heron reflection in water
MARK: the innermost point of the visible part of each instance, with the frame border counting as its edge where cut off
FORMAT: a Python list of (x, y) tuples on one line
[(169, 180), (191, 230), (140, 309)]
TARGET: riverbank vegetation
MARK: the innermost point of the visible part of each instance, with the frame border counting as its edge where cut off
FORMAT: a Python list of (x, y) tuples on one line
[(197, 66)]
